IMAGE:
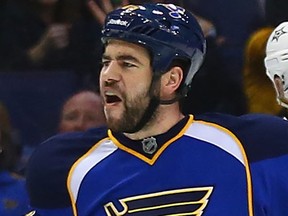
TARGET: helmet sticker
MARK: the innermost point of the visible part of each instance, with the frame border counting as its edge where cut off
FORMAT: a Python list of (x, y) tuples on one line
[(175, 11), (278, 34), (130, 8)]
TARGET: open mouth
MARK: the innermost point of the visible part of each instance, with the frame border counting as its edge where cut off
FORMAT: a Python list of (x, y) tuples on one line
[(112, 98)]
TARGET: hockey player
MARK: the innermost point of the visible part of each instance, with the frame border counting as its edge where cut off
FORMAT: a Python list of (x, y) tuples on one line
[(154, 160), (276, 62)]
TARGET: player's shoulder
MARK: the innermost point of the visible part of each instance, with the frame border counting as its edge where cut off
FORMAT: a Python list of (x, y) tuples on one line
[(262, 136), (252, 121), (67, 145), (54, 157), (74, 139)]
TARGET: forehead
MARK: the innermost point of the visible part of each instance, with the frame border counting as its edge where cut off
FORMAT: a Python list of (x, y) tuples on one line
[(119, 47), (83, 100)]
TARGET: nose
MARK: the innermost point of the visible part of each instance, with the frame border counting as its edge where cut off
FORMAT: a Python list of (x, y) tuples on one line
[(79, 124), (111, 73)]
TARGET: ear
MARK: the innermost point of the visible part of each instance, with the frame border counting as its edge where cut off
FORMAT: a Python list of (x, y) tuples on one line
[(171, 81)]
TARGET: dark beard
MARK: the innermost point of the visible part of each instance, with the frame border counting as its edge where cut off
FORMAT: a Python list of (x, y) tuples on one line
[(139, 113), (137, 116), (148, 116)]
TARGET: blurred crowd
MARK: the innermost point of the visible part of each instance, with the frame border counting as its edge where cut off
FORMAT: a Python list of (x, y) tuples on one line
[(51, 49)]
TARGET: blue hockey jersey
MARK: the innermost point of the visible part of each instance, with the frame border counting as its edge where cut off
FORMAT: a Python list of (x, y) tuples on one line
[(205, 165)]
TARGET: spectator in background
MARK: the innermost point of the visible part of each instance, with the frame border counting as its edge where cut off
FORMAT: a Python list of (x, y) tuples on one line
[(49, 35), (258, 88), (82, 111), (13, 195), (48, 166)]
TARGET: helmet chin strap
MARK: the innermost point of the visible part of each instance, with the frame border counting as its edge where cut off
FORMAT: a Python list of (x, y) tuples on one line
[(171, 101), (178, 97), (147, 116), (153, 104), (151, 108)]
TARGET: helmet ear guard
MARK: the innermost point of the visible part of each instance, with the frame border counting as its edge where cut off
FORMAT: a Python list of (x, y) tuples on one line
[(167, 31), (276, 62), (194, 67)]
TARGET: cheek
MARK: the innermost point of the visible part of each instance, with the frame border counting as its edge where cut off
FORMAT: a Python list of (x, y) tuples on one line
[(137, 85), (69, 122), (100, 81), (66, 126), (91, 120)]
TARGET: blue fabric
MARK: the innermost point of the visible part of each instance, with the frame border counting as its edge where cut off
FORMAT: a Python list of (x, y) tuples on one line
[(119, 177), (52, 212), (13, 195)]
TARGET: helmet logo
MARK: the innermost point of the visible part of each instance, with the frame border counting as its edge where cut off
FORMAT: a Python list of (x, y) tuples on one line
[(278, 34), (117, 22), (175, 11), (130, 8)]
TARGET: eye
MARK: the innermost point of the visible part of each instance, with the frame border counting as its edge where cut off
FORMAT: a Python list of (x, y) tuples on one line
[(105, 63), (128, 64), (70, 116), (90, 117)]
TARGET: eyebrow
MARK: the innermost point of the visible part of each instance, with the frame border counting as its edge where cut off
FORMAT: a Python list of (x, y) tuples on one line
[(122, 58)]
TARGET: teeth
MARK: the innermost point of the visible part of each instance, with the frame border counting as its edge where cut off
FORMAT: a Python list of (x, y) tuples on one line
[(110, 94)]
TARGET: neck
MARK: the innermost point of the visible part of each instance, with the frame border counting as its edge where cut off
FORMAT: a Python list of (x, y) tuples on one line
[(167, 117)]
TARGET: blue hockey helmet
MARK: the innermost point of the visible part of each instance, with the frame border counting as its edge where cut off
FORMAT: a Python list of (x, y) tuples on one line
[(168, 31)]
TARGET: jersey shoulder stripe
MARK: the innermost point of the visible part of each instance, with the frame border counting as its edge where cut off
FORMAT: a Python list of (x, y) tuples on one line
[(96, 154), (218, 136), (226, 140)]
